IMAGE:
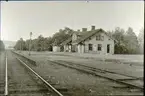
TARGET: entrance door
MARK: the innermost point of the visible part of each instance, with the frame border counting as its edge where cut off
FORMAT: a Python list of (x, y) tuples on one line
[(74, 48), (108, 48)]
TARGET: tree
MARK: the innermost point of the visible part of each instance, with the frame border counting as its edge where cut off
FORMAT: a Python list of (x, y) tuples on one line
[(48, 44), (131, 41), (44, 43), (2, 46), (62, 35), (40, 43), (20, 45), (141, 41), (110, 33), (118, 35)]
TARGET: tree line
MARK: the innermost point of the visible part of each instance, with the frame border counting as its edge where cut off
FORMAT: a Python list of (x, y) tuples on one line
[(2, 46), (127, 41), (44, 43)]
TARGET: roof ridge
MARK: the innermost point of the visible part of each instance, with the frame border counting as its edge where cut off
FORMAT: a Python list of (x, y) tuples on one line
[(85, 36)]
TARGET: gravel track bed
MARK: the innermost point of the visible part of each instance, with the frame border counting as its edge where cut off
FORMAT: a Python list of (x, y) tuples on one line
[(127, 69), (21, 83), (78, 83)]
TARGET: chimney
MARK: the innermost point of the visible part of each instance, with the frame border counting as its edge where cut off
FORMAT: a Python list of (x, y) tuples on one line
[(93, 28), (84, 29)]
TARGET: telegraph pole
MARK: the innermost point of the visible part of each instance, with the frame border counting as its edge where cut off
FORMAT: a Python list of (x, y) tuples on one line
[(30, 43), (20, 45)]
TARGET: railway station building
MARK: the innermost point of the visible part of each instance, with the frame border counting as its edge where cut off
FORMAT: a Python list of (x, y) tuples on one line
[(93, 41)]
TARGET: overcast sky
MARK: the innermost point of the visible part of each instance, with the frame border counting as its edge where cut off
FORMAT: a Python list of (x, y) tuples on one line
[(18, 19)]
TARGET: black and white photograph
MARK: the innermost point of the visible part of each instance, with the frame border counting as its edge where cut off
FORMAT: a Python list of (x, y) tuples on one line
[(72, 48)]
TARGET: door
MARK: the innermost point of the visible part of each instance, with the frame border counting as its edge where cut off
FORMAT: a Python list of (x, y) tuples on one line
[(108, 48), (74, 48)]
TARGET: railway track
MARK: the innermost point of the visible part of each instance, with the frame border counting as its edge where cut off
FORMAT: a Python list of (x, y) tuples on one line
[(116, 77), (119, 78), (6, 78), (2, 72), (12, 85)]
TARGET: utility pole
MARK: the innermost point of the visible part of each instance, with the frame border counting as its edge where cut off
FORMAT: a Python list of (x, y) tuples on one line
[(21, 44), (30, 43), (20, 48)]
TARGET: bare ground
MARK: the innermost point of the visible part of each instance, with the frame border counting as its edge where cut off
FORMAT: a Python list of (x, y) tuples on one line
[(78, 83), (21, 83)]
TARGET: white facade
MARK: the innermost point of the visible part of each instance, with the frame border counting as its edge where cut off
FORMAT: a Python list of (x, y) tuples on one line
[(98, 46), (81, 48), (56, 49), (107, 40)]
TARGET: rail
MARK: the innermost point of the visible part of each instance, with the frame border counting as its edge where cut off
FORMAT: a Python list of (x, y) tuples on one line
[(28, 59), (41, 78), (80, 68), (6, 78)]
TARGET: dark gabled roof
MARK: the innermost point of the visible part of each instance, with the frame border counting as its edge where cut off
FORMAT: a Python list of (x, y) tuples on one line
[(66, 41), (70, 39), (78, 33), (85, 35), (88, 34)]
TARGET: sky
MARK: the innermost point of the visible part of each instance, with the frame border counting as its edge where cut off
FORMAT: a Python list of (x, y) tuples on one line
[(19, 18)]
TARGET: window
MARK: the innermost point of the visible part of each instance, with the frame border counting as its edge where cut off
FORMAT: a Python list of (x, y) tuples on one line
[(99, 37), (90, 47), (99, 47), (102, 38)]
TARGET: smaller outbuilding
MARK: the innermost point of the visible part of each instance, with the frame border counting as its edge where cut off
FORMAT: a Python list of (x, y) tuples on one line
[(55, 47)]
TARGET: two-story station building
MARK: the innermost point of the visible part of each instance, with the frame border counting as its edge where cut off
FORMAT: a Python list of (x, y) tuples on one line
[(93, 41)]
